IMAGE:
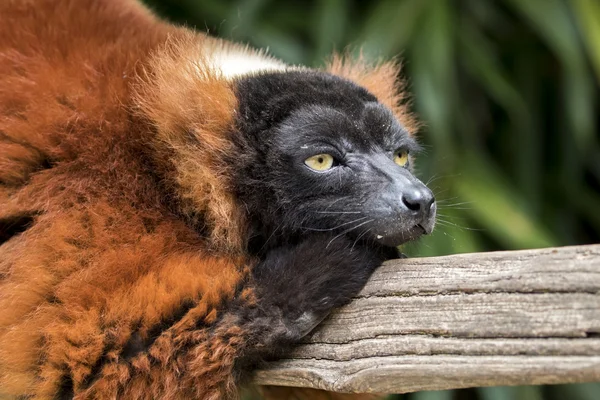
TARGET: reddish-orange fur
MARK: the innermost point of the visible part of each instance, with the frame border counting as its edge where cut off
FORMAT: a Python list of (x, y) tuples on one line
[(95, 96), (380, 79)]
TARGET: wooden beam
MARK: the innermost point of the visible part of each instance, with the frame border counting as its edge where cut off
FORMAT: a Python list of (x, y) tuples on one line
[(483, 319)]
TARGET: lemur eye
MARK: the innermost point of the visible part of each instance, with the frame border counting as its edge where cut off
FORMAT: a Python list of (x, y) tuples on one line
[(320, 162), (401, 157)]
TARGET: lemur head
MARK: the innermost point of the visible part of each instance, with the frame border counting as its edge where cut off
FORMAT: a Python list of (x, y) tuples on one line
[(315, 152), (257, 153)]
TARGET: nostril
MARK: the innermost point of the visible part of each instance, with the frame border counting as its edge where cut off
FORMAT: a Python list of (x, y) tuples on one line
[(430, 203), (418, 201), (411, 204)]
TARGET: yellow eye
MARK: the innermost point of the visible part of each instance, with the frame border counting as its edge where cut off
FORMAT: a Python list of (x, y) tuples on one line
[(320, 162), (401, 157)]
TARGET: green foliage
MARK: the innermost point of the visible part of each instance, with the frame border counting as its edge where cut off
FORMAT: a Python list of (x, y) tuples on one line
[(507, 90)]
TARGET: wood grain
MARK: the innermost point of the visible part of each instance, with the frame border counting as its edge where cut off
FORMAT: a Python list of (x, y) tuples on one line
[(483, 319)]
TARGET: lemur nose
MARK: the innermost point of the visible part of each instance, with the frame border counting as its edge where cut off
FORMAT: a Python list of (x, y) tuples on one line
[(419, 200)]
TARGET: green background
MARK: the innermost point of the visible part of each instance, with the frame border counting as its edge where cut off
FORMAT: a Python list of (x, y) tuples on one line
[(508, 93)]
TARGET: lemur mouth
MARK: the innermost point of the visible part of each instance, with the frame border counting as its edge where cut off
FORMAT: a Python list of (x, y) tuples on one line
[(396, 227), (427, 229), (398, 238), (393, 233)]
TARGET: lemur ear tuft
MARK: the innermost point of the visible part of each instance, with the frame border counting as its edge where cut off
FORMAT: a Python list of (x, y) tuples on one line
[(382, 79)]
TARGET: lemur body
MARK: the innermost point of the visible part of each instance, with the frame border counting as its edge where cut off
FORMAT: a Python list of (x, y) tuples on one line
[(163, 224)]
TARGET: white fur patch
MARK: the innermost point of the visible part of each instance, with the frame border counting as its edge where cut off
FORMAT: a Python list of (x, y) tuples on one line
[(232, 61)]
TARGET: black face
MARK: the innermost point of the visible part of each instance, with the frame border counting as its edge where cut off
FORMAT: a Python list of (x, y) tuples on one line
[(318, 153)]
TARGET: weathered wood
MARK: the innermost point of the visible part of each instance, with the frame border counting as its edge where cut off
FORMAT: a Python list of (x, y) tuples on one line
[(504, 318)]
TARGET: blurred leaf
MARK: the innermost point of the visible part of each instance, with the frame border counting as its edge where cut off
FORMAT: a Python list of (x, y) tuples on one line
[(243, 18), (586, 201), (484, 66), (510, 393), (583, 391), (497, 207), (432, 68), (332, 18), (432, 395), (389, 27), (552, 20), (280, 45), (588, 15)]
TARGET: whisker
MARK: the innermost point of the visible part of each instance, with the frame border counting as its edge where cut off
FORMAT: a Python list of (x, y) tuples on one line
[(349, 230), (334, 228), (434, 178), (447, 234), (437, 192), (458, 204), (448, 199), (358, 238), (339, 212), (453, 225), (450, 216), (333, 202), (437, 177), (272, 233)]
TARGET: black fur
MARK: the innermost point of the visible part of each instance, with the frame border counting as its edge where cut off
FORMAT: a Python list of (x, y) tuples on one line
[(305, 281), (297, 287), (319, 235), (285, 118)]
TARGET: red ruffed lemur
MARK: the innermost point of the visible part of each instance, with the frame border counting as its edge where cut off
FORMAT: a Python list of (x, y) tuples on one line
[(175, 208)]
